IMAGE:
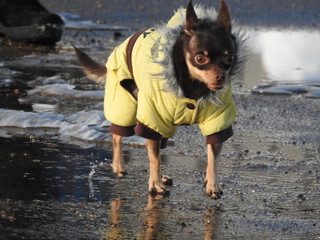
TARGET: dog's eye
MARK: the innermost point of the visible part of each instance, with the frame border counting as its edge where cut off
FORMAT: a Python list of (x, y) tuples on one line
[(201, 59), (229, 59)]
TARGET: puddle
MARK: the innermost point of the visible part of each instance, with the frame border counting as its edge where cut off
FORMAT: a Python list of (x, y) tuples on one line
[(283, 62), (49, 171), (65, 192)]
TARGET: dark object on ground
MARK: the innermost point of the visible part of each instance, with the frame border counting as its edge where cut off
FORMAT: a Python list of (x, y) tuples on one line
[(29, 21)]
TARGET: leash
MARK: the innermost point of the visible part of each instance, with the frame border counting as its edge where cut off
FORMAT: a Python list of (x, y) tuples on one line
[(129, 48)]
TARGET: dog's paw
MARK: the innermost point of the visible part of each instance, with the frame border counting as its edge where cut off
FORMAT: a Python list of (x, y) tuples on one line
[(120, 174), (119, 169), (158, 188), (213, 191), (214, 195), (166, 180)]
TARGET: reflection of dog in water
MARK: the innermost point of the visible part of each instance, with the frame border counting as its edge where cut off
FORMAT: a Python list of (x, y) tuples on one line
[(151, 221), (154, 220), (175, 74)]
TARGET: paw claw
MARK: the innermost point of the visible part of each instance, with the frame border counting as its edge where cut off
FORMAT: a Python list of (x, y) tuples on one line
[(166, 180), (215, 195), (164, 192), (157, 187), (213, 191)]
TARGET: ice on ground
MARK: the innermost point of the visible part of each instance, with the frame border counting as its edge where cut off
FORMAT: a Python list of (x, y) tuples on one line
[(309, 91), (13, 118), (40, 81), (50, 61), (66, 91), (73, 21), (85, 126), (62, 102), (47, 96), (82, 125)]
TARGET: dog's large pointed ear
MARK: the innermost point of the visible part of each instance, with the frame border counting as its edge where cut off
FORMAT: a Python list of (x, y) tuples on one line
[(224, 15), (191, 19)]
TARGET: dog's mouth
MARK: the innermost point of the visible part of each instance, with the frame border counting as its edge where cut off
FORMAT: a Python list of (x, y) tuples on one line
[(214, 87), (217, 83), (217, 80), (213, 82), (213, 78)]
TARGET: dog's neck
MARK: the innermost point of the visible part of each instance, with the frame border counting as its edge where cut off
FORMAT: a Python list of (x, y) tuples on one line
[(190, 87)]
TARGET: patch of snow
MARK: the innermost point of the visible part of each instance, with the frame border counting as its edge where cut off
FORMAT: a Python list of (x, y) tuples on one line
[(67, 91), (73, 21), (86, 126)]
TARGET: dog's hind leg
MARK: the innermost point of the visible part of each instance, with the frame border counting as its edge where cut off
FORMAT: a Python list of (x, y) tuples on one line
[(155, 182), (118, 164), (213, 189)]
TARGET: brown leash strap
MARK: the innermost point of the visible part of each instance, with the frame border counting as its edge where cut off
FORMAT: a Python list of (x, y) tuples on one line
[(130, 45)]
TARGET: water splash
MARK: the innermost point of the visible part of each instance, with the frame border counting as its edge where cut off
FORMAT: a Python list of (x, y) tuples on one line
[(95, 166)]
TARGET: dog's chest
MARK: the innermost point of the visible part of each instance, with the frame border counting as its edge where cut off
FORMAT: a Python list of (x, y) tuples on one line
[(186, 112)]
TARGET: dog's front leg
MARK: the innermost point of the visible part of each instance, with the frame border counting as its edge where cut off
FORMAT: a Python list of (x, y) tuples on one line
[(155, 182), (213, 189), (118, 164)]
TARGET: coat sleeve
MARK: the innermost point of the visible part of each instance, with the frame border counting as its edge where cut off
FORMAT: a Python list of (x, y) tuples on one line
[(219, 118)]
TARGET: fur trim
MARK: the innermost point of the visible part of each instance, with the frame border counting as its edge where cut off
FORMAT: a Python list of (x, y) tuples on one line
[(171, 32)]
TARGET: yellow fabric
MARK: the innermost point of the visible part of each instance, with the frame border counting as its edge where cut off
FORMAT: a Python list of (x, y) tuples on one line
[(158, 108)]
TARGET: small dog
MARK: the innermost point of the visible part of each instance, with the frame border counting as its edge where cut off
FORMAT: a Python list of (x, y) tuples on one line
[(178, 73)]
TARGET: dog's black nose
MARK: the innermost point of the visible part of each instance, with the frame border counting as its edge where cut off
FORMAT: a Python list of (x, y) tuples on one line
[(220, 77)]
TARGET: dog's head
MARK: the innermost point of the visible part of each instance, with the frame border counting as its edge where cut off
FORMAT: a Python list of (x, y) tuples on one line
[(210, 48)]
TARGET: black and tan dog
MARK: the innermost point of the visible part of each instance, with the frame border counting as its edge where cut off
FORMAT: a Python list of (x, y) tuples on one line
[(175, 74)]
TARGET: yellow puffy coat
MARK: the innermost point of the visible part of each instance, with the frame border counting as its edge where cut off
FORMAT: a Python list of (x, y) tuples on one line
[(159, 107)]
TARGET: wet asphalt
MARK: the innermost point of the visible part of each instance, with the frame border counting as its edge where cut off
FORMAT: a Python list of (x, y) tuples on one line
[(141, 13), (269, 169)]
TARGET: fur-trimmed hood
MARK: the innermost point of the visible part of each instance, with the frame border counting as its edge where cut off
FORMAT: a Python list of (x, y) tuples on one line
[(172, 30)]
